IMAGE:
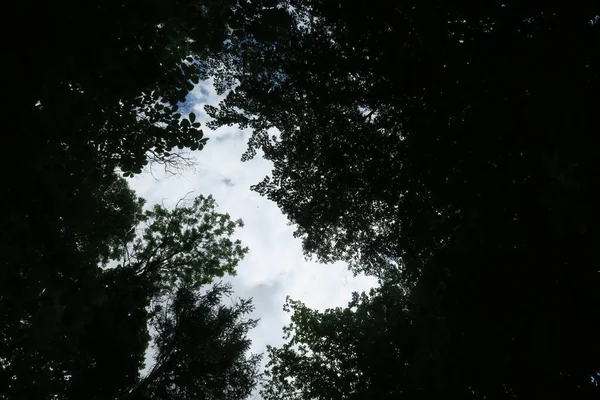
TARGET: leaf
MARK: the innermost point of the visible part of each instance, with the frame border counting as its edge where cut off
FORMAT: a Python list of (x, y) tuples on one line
[(192, 117)]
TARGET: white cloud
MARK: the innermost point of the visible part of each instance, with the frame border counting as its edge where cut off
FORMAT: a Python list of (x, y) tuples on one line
[(275, 266)]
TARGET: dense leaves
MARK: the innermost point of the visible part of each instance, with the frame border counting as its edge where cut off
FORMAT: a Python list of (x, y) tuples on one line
[(81, 331), (50, 283), (445, 147), (188, 245), (94, 91), (360, 352), (400, 123), (111, 74), (201, 349), (454, 336)]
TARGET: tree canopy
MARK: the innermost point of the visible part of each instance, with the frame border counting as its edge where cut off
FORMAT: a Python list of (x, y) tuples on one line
[(86, 336), (466, 330), (94, 95), (201, 349), (446, 148), (402, 124)]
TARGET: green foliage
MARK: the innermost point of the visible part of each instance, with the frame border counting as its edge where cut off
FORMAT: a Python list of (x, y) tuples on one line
[(201, 348), (453, 336), (80, 330), (366, 350), (96, 92), (188, 245), (403, 123), (50, 282), (446, 148), (112, 74)]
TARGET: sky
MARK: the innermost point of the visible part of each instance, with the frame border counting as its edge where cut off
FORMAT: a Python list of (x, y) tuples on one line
[(275, 265)]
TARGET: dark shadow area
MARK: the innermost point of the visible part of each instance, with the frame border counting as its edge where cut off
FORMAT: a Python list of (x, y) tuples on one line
[(445, 147)]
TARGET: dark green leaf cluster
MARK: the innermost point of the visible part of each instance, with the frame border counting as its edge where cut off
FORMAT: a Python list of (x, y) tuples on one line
[(502, 326), (401, 122), (445, 147), (94, 88), (201, 349), (111, 74), (77, 330), (189, 245)]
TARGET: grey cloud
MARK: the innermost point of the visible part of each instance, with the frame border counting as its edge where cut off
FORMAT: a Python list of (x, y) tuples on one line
[(228, 182), (228, 135)]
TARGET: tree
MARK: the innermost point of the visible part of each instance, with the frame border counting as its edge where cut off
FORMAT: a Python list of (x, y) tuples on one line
[(97, 92), (112, 75), (201, 349), (404, 124), (50, 283), (91, 93), (513, 324), (363, 351), (200, 346), (444, 147), (188, 245), (451, 337), (83, 332)]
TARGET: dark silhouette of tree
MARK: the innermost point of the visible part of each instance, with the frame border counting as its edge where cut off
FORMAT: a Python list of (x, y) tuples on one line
[(201, 349), (94, 91), (50, 283), (367, 350), (110, 75), (400, 123), (445, 147), (518, 324), (97, 90), (467, 330), (82, 331)]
